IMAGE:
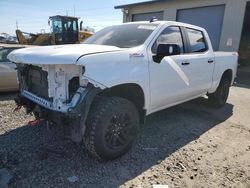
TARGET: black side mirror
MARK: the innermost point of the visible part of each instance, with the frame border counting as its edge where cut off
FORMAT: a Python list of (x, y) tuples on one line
[(164, 50), (81, 25)]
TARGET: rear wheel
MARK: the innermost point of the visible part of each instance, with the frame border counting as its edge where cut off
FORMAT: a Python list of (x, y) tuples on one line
[(112, 127), (219, 98)]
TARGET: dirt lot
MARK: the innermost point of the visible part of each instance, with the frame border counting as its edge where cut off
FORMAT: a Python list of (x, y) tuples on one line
[(191, 145)]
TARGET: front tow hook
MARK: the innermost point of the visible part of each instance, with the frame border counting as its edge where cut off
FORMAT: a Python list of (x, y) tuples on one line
[(18, 104)]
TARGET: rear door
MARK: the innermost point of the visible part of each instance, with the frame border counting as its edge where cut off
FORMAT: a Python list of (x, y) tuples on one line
[(200, 61)]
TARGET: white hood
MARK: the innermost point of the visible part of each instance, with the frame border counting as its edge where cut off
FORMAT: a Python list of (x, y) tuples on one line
[(61, 54)]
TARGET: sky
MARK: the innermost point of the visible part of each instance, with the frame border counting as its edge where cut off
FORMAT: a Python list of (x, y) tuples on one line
[(32, 15)]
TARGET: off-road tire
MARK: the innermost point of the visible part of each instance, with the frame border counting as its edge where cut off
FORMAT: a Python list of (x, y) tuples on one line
[(219, 98), (101, 117)]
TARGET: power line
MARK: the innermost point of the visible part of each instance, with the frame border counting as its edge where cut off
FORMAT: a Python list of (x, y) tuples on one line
[(28, 23), (93, 9)]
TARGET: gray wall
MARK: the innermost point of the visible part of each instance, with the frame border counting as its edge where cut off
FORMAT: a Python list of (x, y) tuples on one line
[(232, 21), (147, 16)]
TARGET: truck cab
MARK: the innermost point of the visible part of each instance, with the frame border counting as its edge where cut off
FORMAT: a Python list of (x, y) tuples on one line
[(66, 30)]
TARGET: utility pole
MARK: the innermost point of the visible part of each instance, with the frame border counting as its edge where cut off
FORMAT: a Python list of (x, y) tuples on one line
[(74, 10), (16, 24)]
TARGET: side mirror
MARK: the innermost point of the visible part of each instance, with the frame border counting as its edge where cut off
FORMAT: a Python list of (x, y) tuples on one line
[(81, 25), (49, 22), (164, 50)]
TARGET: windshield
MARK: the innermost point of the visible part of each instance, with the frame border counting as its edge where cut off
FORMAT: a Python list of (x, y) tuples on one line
[(123, 36)]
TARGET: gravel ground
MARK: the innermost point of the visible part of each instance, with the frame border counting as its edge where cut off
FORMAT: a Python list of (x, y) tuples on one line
[(190, 145)]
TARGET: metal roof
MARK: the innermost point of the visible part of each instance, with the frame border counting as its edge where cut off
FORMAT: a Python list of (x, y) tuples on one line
[(140, 3), (61, 16)]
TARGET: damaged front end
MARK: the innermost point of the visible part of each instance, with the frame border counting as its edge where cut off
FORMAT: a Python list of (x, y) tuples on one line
[(58, 94)]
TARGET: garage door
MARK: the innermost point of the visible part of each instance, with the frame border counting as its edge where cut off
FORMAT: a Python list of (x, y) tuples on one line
[(147, 16), (210, 18)]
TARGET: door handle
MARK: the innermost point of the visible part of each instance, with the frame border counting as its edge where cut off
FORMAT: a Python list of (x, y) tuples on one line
[(210, 61), (185, 63)]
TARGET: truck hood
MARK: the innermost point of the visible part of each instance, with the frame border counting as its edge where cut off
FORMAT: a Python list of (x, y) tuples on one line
[(63, 54)]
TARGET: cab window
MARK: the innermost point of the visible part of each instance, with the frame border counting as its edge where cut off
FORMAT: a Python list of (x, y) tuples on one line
[(196, 40), (57, 26), (74, 26), (70, 26), (170, 35)]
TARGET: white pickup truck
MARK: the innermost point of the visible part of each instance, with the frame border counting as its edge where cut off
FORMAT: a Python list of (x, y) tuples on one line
[(104, 88)]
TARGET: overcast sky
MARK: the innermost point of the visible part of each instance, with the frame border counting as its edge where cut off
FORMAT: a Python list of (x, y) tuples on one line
[(32, 15)]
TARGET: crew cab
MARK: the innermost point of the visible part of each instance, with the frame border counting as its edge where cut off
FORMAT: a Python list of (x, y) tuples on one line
[(104, 88)]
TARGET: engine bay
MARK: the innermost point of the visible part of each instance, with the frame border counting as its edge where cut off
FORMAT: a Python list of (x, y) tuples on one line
[(56, 87)]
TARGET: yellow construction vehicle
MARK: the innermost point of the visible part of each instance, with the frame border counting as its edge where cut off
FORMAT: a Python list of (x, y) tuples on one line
[(64, 30), (35, 39)]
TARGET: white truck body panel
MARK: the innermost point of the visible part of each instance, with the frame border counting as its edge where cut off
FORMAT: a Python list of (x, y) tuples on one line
[(61, 54), (131, 67), (224, 61)]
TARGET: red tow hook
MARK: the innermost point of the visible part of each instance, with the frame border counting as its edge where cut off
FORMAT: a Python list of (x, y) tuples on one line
[(19, 104), (18, 107), (34, 122)]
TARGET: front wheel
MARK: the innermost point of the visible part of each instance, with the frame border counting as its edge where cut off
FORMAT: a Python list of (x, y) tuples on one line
[(219, 98), (112, 127)]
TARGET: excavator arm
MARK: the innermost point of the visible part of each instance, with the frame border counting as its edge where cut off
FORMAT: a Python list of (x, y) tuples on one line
[(35, 39)]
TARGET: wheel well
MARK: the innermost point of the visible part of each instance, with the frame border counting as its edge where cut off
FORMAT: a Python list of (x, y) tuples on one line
[(228, 74), (131, 92)]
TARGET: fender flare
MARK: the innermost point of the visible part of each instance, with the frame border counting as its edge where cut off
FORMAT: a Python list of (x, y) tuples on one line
[(80, 113)]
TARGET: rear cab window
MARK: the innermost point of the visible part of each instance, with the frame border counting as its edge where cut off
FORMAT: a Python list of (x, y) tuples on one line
[(197, 41)]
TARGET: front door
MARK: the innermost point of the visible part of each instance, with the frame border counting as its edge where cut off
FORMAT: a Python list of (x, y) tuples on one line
[(168, 82)]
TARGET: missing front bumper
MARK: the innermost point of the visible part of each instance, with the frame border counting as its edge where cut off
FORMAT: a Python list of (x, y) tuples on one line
[(74, 113)]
